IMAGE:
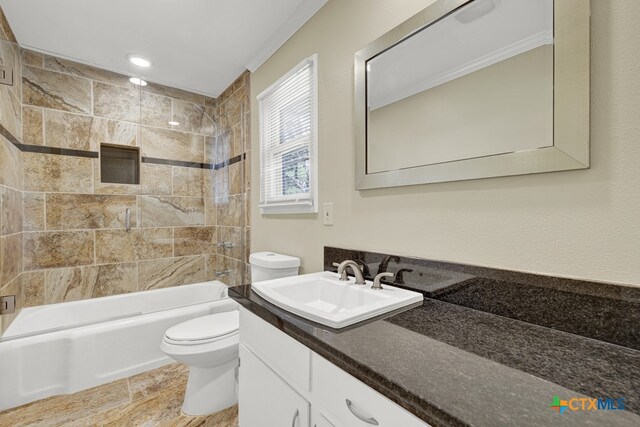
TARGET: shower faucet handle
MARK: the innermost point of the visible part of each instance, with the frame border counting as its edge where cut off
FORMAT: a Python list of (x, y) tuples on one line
[(127, 220)]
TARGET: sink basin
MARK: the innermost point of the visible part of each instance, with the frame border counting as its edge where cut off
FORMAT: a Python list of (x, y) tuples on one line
[(323, 298)]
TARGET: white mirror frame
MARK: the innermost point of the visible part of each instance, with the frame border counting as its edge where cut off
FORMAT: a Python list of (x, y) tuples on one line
[(570, 148)]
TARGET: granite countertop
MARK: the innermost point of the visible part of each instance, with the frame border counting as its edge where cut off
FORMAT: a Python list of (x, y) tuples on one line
[(453, 365)]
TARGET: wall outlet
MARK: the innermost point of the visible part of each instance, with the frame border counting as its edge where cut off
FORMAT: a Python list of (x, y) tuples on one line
[(327, 213)]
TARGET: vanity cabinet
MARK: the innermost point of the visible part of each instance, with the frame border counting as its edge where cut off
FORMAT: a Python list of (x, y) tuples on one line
[(270, 400), (280, 377)]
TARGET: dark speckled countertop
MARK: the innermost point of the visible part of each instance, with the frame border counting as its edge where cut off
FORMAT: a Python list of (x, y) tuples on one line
[(451, 364)]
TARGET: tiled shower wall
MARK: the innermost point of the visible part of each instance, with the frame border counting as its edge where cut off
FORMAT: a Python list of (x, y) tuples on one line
[(10, 174), (74, 242), (232, 182), (65, 229)]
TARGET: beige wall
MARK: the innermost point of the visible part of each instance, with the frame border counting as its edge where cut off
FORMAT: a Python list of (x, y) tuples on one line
[(583, 224)]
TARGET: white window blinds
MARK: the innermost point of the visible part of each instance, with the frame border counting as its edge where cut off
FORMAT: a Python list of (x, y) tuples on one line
[(288, 142)]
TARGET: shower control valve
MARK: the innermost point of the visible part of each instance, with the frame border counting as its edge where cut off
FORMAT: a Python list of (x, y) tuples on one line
[(7, 304), (226, 245)]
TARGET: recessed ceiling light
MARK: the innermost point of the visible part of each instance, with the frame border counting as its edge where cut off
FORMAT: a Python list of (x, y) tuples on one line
[(137, 81), (174, 123), (138, 60)]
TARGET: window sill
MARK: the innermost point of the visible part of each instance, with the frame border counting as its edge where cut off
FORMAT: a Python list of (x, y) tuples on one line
[(288, 209)]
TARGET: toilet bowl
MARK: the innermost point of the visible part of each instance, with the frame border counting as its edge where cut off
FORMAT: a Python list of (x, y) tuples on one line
[(209, 346)]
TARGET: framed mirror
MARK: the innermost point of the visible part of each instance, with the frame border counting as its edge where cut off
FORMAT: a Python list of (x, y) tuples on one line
[(470, 89)]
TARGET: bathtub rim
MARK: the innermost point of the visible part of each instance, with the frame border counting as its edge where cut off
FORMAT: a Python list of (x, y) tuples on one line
[(7, 336)]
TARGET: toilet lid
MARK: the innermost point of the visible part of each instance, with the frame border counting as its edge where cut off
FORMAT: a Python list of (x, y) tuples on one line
[(205, 327)]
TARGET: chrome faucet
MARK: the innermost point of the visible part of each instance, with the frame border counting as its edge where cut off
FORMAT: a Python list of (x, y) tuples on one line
[(342, 271)]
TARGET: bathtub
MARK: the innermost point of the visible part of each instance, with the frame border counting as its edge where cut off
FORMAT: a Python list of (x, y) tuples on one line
[(68, 347)]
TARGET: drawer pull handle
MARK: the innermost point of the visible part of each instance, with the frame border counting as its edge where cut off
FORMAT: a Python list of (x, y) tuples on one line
[(295, 417), (361, 417)]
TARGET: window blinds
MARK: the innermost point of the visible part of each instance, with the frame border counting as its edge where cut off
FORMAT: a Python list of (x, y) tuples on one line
[(287, 115)]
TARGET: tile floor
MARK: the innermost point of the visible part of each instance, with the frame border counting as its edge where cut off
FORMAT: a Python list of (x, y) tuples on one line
[(149, 399)]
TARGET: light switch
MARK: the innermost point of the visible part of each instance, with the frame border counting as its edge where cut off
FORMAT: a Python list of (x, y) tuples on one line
[(327, 213)]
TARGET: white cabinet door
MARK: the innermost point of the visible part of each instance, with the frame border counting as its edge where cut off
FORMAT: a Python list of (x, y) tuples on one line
[(265, 399), (286, 356)]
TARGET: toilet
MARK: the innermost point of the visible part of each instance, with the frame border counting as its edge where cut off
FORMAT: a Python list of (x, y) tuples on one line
[(209, 344), (269, 265)]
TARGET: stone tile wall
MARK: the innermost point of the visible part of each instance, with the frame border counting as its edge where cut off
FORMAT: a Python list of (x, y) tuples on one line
[(231, 184), (10, 174), (80, 233), (64, 229), (75, 245)]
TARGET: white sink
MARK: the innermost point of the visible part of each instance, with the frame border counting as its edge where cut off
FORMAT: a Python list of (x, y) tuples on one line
[(323, 298)]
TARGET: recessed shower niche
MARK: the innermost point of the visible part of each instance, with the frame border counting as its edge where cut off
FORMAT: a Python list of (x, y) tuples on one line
[(119, 165)]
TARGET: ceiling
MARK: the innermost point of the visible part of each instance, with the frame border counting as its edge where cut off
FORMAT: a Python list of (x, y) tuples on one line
[(195, 45)]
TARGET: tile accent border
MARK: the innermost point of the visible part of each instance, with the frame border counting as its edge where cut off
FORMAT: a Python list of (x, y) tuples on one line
[(230, 162), (26, 148), (168, 162), (217, 166), (12, 139), (60, 151)]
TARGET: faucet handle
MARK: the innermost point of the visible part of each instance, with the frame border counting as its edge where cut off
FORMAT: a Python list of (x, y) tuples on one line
[(399, 275), (382, 268), (376, 281), (364, 267)]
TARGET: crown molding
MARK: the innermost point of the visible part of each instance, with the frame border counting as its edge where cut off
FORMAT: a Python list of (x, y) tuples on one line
[(301, 15)]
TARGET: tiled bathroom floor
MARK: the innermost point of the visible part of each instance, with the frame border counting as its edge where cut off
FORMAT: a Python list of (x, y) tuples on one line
[(149, 399)]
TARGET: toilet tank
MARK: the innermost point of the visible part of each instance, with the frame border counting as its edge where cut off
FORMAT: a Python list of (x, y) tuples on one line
[(269, 265)]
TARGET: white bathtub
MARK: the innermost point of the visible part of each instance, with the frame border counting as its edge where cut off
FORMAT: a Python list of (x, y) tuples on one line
[(68, 347)]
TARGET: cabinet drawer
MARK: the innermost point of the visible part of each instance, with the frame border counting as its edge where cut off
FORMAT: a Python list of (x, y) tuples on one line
[(265, 399), (286, 356), (350, 402)]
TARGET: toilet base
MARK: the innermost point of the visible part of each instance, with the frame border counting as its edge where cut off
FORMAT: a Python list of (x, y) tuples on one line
[(211, 390)]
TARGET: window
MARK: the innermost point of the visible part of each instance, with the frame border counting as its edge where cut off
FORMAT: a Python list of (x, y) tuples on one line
[(288, 142)]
